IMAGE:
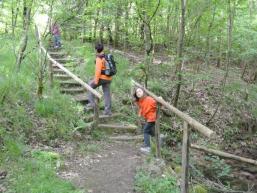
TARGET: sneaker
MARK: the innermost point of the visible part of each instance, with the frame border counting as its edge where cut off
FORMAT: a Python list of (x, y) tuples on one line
[(145, 149)]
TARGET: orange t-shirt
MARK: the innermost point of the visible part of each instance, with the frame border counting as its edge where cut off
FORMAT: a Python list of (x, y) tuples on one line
[(147, 108), (99, 66)]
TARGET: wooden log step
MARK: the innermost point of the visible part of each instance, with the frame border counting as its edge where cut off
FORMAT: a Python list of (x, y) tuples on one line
[(62, 76), (82, 98), (64, 60), (118, 127), (73, 90), (58, 71), (56, 54), (69, 83), (127, 138), (103, 117)]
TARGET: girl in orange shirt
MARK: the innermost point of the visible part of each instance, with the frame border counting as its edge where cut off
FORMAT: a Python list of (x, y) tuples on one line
[(147, 109)]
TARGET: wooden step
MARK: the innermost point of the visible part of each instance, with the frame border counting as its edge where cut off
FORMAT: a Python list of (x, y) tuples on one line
[(56, 54), (62, 76), (103, 117), (119, 128), (82, 98), (137, 138), (58, 71), (64, 60), (69, 83), (52, 49), (73, 90)]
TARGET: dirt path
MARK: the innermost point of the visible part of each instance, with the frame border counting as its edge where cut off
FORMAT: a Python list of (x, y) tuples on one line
[(111, 169)]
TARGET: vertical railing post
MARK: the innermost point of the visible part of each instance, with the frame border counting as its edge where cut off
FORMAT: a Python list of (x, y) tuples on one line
[(157, 133), (185, 158), (96, 113), (50, 64)]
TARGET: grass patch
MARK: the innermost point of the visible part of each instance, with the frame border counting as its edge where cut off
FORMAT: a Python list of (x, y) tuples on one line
[(145, 183)]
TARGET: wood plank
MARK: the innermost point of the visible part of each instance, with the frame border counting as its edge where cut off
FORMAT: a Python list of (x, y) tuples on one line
[(192, 122), (127, 138), (117, 126), (73, 90), (102, 117), (157, 133), (185, 159), (224, 154)]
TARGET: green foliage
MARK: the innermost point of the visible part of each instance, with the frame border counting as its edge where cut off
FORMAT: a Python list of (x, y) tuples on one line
[(37, 176), (12, 147), (147, 184), (62, 114), (97, 134), (218, 166), (45, 156), (199, 189)]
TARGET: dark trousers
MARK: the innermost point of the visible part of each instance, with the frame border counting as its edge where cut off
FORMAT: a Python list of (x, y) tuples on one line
[(106, 84), (149, 129)]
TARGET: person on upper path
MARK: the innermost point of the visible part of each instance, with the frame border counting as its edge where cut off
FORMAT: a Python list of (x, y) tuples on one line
[(148, 110), (57, 35), (100, 79)]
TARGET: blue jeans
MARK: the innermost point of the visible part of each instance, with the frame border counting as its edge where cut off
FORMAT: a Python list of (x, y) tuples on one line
[(57, 41), (149, 129)]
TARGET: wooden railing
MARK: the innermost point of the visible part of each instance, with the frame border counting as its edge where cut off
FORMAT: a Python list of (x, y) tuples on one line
[(73, 76), (188, 123)]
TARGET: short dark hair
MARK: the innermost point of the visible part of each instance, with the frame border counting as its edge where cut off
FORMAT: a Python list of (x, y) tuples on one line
[(99, 47)]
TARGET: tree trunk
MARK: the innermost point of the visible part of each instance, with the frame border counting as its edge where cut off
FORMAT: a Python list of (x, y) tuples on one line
[(24, 39), (208, 47), (110, 39), (218, 64), (180, 51), (96, 23), (229, 38), (117, 25), (126, 41), (101, 30), (15, 11)]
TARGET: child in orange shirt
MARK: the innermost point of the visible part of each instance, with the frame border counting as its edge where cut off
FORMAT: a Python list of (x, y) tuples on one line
[(148, 110)]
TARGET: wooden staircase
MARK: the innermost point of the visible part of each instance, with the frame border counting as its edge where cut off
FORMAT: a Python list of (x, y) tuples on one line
[(108, 124), (67, 84)]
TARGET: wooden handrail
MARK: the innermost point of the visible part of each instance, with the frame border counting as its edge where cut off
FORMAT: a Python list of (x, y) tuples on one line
[(192, 122), (73, 76), (224, 154)]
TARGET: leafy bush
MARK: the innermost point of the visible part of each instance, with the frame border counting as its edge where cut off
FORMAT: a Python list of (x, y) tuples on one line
[(218, 166), (147, 184)]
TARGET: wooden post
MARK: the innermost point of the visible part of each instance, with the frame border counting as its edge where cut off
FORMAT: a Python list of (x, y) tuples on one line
[(185, 158), (51, 73), (157, 133), (96, 113)]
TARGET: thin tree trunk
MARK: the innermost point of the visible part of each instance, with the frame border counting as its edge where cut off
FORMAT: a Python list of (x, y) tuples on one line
[(24, 39), (229, 38), (218, 64), (208, 47), (110, 39), (126, 41), (101, 30), (180, 51), (117, 25), (15, 11)]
